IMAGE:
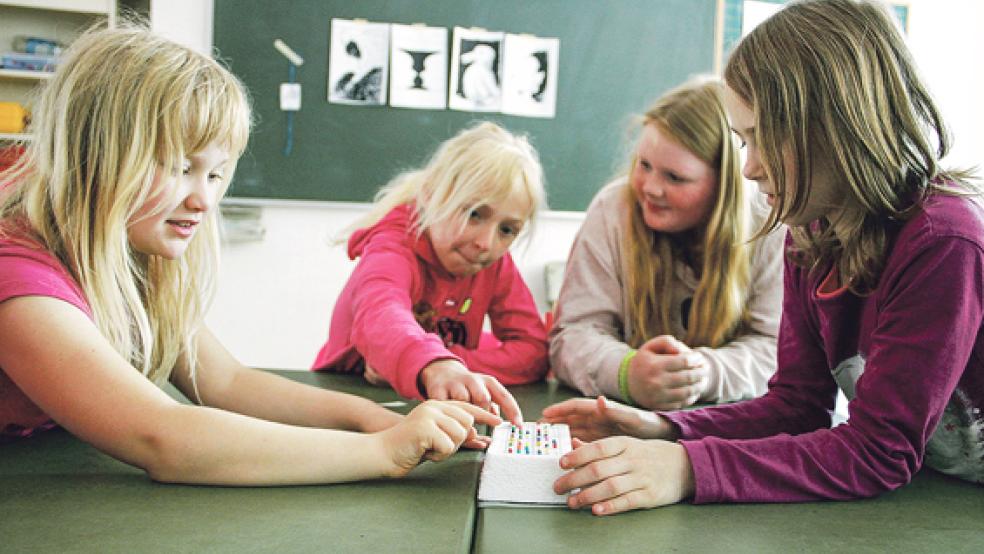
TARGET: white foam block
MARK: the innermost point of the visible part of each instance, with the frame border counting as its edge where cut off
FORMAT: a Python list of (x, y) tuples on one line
[(522, 463)]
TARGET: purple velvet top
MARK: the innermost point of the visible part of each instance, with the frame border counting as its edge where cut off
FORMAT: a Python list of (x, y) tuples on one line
[(909, 357)]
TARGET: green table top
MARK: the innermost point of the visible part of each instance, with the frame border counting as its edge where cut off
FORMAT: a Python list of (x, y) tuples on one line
[(933, 513), (60, 494)]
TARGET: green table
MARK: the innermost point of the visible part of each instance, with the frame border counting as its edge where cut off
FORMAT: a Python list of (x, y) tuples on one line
[(933, 513), (57, 494)]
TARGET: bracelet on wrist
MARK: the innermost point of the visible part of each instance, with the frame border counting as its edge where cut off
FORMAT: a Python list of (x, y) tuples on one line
[(623, 377)]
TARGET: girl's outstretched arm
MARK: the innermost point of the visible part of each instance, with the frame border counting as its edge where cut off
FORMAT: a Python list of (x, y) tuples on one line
[(54, 353), (591, 419), (225, 383)]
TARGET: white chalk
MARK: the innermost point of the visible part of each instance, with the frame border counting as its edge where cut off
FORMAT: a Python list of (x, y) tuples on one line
[(287, 52)]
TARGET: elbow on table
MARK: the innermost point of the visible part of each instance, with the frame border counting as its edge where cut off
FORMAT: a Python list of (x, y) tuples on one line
[(894, 470), (167, 453), (162, 461)]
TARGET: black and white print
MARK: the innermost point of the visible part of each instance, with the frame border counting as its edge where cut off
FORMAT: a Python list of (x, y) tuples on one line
[(529, 76), (358, 62), (418, 67), (476, 58)]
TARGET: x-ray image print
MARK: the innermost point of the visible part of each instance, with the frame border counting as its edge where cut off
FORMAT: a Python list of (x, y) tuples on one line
[(529, 76), (358, 62), (418, 67), (475, 66)]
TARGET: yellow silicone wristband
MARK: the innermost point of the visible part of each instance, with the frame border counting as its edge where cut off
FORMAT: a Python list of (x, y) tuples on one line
[(623, 377)]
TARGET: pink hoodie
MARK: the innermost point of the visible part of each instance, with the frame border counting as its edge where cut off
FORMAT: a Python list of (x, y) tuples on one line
[(400, 310)]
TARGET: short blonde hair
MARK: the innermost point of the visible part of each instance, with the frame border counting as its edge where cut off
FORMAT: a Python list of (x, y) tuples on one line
[(693, 115), (482, 164), (123, 104)]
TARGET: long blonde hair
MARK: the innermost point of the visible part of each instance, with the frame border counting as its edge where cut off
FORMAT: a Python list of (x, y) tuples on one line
[(123, 104), (482, 164), (833, 79), (693, 116)]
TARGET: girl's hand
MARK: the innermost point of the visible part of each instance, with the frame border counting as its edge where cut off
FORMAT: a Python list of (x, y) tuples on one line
[(450, 380), (378, 419), (593, 419), (621, 473), (666, 374), (433, 431)]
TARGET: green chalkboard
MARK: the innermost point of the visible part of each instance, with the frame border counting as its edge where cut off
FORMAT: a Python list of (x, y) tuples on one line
[(616, 57)]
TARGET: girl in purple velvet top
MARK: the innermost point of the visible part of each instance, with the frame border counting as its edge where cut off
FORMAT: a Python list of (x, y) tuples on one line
[(884, 290)]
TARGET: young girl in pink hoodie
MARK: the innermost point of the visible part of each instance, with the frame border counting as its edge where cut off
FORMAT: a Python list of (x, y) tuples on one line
[(434, 262)]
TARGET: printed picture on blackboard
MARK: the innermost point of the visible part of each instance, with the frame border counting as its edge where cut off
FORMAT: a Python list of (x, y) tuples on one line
[(418, 67), (475, 71), (358, 62), (529, 75)]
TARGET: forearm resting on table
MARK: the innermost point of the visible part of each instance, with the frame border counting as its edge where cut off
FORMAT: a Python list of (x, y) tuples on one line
[(276, 398), (210, 446)]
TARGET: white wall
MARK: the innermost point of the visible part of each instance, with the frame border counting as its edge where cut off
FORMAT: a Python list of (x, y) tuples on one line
[(275, 296), (188, 22), (947, 39)]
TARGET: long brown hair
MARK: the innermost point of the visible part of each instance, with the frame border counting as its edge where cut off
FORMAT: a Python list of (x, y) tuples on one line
[(833, 80), (694, 116)]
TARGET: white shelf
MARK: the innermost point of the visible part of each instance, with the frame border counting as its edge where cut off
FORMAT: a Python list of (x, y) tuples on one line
[(58, 20), (104, 7), (25, 74), (15, 136)]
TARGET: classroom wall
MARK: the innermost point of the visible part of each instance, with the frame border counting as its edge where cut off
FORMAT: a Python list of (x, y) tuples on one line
[(946, 38), (275, 296), (188, 22)]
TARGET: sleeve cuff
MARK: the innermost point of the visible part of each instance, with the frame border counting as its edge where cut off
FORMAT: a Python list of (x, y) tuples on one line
[(706, 488), (606, 377), (409, 365), (679, 419)]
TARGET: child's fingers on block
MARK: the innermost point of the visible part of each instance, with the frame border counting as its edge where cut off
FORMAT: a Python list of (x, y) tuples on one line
[(476, 441), (462, 412), (599, 480), (452, 428), (478, 414), (597, 450), (479, 393), (507, 404)]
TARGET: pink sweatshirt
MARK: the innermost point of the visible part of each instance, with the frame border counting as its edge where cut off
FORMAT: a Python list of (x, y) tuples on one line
[(27, 270), (400, 310)]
